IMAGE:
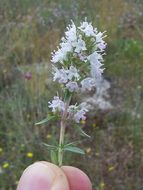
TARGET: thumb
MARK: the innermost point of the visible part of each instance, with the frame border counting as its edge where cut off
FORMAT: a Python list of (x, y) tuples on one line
[(43, 176)]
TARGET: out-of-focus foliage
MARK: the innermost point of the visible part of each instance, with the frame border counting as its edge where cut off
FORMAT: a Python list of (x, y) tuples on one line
[(29, 31)]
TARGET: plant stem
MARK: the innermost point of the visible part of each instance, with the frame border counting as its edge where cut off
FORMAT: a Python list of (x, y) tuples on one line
[(62, 133), (61, 142)]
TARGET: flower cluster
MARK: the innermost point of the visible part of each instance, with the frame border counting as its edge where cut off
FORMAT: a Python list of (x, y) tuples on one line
[(77, 64), (67, 76), (57, 104), (75, 112)]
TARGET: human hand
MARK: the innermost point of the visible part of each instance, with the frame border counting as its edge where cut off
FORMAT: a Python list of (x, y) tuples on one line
[(47, 176)]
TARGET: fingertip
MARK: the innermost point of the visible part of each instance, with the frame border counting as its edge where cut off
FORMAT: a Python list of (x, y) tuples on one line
[(37, 176), (77, 178)]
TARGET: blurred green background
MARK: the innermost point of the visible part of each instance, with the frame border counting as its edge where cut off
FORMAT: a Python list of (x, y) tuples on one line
[(29, 31)]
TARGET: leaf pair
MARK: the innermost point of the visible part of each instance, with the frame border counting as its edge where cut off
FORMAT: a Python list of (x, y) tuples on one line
[(67, 147), (74, 149)]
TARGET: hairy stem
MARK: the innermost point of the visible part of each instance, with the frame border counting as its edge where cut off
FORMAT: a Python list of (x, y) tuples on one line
[(62, 134), (61, 142)]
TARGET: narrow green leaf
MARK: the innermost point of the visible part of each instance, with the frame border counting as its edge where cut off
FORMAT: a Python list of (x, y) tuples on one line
[(74, 149), (67, 95), (72, 143), (46, 120), (54, 157), (49, 146), (81, 131)]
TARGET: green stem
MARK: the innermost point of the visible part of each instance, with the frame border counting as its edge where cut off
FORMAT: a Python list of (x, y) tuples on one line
[(62, 133), (61, 142)]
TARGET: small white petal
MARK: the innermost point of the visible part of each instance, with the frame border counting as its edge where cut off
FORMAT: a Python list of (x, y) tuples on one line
[(73, 73), (72, 86), (80, 115), (95, 60), (88, 83), (88, 29), (71, 33), (57, 104), (60, 75), (80, 46), (77, 112)]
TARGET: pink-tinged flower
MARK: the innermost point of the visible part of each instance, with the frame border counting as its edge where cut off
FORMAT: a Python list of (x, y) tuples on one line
[(72, 86), (80, 115), (100, 42), (77, 113), (28, 75), (57, 104)]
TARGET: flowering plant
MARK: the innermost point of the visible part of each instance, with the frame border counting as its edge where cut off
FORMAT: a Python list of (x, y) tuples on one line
[(77, 67)]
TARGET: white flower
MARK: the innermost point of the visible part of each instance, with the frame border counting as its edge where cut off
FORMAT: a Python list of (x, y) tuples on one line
[(73, 42), (96, 70), (61, 54), (95, 60), (57, 104), (58, 56), (99, 37), (88, 83), (72, 109), (63, 75), (88, 29), (100, 42), (73, 73), (72, 86), (82, 57), (80, 46), (102, 46), (60, 75), (77, 112), (71, 33), (66, 47), (95, 56), (80, 115)]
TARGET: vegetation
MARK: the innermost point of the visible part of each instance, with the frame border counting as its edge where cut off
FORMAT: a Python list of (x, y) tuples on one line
[(29, 31)]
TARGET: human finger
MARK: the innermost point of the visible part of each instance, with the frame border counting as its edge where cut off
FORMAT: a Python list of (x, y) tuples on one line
[(77, 179), (43, 176)]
